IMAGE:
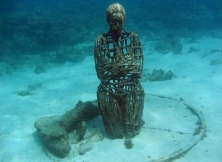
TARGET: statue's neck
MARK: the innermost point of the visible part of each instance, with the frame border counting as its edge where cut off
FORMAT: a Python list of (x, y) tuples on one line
[(116, 34)]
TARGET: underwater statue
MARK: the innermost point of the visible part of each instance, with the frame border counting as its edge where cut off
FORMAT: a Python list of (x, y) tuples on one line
[(119, 65), (120, 96)]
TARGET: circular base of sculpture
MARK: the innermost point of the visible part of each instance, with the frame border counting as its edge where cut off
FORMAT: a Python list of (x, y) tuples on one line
[(172, 128)]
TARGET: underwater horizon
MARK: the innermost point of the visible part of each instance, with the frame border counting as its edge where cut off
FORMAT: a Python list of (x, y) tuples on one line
[(30, 27)]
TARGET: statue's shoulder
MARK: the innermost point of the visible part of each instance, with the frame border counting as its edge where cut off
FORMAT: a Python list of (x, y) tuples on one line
[(134, 34), (135, 37), (131, 34), (100, 38)]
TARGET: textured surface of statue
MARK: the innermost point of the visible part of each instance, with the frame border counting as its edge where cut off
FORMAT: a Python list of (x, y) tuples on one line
[(119, 65)]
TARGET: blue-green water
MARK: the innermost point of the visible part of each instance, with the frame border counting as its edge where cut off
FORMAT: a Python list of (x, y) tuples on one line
[(36, 27), (47, 66)]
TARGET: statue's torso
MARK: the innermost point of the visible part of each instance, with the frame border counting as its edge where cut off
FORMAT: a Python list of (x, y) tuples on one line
[(120, 59)]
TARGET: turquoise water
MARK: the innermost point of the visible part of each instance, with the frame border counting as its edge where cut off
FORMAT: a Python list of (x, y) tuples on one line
[(47, 66)]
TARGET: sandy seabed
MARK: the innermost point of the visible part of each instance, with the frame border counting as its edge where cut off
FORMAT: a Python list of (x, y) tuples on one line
[(195, 80)]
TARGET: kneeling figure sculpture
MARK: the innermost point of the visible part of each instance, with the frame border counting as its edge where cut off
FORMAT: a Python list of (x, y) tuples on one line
[(119, 65)]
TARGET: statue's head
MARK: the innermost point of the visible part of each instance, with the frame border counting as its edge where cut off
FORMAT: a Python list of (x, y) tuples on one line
[(115, 16)]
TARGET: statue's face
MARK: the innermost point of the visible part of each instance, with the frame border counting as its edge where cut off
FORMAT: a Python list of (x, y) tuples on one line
[(116, 23)]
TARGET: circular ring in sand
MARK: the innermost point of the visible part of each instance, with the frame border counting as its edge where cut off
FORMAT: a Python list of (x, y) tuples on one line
[(172, 128)]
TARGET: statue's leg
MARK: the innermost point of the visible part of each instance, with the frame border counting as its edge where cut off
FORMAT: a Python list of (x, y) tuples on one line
[(133, 111), (110, 112), (122, 113)]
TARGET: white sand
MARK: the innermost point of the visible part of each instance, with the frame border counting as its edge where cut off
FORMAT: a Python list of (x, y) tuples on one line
[(198, 83)]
